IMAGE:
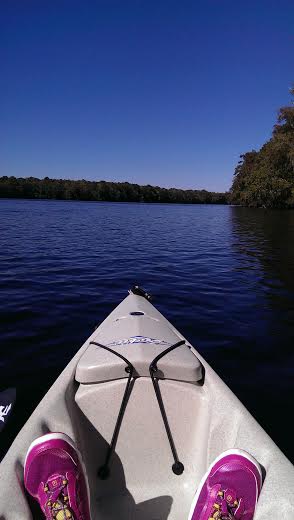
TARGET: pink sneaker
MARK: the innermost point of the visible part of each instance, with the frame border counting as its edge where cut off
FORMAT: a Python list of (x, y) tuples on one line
[(54, 475), (230, 488)]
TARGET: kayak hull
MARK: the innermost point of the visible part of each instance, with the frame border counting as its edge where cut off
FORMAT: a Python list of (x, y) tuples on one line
[(205, 418)]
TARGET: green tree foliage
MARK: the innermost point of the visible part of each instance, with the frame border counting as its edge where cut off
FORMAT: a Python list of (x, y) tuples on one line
[(266, 178), (63, 189)]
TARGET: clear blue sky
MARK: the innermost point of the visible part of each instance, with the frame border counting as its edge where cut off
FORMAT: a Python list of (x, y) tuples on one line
[(160, 92)]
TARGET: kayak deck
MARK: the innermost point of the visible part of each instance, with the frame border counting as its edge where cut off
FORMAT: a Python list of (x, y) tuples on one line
[(141, 468)]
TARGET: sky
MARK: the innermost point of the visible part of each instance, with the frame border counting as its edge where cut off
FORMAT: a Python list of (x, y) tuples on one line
[(167, 93)]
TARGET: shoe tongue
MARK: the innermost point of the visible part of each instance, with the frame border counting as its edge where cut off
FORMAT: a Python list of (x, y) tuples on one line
[(230, 496), (55, 482)]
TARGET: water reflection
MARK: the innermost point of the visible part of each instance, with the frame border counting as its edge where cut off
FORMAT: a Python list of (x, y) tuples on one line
[(222, 275), (264, 242), (267, 236)]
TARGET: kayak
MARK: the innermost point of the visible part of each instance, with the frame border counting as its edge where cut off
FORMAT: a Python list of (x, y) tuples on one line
[(148, 415)]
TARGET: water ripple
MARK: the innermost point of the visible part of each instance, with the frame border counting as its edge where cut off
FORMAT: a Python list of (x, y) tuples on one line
[(224, 276)]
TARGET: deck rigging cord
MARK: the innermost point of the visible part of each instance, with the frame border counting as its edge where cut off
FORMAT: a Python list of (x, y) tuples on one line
[(177, 467)]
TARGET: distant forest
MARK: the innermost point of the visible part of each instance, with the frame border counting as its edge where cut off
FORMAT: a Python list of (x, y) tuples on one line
[(62, 189), (265, 178)]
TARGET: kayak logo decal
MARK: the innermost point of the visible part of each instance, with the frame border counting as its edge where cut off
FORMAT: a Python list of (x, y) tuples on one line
[(4, 410), (137, 339)]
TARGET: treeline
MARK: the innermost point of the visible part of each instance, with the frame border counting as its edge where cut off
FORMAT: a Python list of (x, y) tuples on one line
[(265, 178), (62, 189)]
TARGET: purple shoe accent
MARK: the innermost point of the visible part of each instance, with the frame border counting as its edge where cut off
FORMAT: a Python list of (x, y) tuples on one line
[(230, 488), (54, 475)]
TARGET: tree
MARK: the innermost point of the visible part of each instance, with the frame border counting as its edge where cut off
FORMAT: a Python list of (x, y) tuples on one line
[(265, 178)]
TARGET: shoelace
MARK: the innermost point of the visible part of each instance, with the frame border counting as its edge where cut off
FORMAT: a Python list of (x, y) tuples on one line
[(224, 507), (57, 504)]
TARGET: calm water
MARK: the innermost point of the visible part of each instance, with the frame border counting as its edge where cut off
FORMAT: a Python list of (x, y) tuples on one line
[(222, 275)]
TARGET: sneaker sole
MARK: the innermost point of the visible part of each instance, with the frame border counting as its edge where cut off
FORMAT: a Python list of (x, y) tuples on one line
[(243, 454)]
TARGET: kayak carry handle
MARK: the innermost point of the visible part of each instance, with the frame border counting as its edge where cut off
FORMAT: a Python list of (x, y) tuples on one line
[(140, 292)]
